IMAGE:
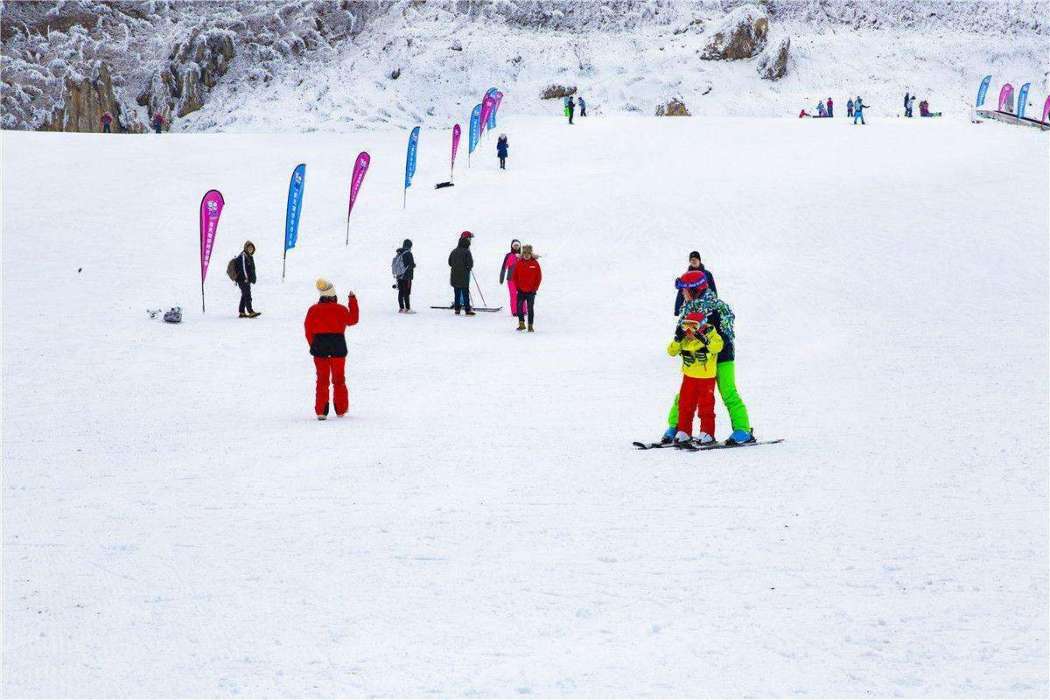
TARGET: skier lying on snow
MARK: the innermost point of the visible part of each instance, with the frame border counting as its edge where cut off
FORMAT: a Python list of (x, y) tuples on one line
[(699, 297)]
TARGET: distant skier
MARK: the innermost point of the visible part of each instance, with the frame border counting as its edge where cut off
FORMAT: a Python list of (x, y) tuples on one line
[(858, 110), (506, 271), (907, 101), (501, 151), (849, 108), (403, 267), (698, 344), (527, 276), (158, 122), (325, 325), (461, 263), (570, 109), (831, 107), (695, 263), (107, 123), (821, 110), (911, 106), (583, 106), (245, 278), (701, 298)]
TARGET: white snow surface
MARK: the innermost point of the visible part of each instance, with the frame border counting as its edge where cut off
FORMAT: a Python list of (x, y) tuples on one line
[(176, 522)]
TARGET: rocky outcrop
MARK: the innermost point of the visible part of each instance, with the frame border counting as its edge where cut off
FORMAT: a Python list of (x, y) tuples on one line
[(194, 67), (741, 34), (773, 63), (553, 92), (674, 108), (84, 102)]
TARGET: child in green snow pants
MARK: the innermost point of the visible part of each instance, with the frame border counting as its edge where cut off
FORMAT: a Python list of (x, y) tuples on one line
[(726, 378)]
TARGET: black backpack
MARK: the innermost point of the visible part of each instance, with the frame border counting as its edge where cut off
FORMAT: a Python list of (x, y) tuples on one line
[(231, 269)]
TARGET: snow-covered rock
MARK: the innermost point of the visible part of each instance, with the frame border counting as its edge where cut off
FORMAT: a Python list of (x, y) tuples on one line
[(773, 62), (741, 34)]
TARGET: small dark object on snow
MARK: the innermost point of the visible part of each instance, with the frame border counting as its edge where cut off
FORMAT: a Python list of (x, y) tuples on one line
[(173, 315), (441, 185), (79, 269)]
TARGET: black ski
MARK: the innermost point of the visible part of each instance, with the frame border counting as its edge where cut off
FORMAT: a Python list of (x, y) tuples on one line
[(488, 309), (696, 447)]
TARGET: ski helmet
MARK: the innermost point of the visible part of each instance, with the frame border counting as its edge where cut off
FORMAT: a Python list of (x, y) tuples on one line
[(694, 280)]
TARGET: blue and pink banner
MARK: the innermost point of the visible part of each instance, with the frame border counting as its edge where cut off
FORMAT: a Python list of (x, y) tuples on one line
[(356, 180), (211, 209), (295, 206), (491, 121), (486, 110), (982, 91), (1022, 99), (1046, 110), (1005, 95), (455, 147), (475, 130)]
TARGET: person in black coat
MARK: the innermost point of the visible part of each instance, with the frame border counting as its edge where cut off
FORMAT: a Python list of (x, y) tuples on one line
[(245, 280), (404, 282), (461, 263), (501, 151), (572, 109), (695, 264)]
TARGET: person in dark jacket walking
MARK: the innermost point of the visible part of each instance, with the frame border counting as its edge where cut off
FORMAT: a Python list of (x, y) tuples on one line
[(694, 264), (461, 263), (326, 322), (570, 109), (404, 281), (527, 276), (245, 280), (501, 151)]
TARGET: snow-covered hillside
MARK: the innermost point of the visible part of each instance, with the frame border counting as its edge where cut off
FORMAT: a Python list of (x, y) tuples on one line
[(303, 65), (176, 523)]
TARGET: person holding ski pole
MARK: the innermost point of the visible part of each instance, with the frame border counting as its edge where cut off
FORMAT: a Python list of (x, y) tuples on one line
[(461, 262), (698, 344), (527, 276), (506, 271), (326, 323), (858, 111)]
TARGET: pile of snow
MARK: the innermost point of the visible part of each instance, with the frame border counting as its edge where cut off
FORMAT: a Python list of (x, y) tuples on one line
[(177, 523)]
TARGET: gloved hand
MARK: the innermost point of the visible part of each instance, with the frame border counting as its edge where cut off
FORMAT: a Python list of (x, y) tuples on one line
[(679, 333)]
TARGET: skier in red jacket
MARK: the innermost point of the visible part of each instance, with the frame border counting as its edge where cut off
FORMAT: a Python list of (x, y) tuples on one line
[(325, 323), (527, 276)]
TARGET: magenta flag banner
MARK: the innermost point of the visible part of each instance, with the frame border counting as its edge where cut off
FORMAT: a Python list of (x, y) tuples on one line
[(499, 100), (1005, 94), (486, 109), (211, 209), (1046, 110), (360, 168), (455, 146)]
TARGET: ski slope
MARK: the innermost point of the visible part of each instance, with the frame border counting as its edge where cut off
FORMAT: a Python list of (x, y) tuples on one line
[(177, 523)]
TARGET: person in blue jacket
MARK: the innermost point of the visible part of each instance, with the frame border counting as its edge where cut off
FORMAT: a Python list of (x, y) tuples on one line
[(858, 110), (501, 151)]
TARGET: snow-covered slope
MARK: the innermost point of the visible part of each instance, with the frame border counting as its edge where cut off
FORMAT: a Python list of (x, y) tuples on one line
[(175, 522), (311, 64)]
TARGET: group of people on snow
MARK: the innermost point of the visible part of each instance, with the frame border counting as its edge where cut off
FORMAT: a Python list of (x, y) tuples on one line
[(569, 106), (158, 122), (522, 273), (854, 110), (705, 341), (924, 107)]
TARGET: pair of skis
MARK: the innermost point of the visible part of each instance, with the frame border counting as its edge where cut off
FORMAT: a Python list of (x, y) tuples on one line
[(693, 446)]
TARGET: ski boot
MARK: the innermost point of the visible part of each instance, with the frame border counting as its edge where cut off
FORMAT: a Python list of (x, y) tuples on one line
[(521, 325), (668, 436), (323, 416), (683, 440), (531, 329), (741, 437), (703, 438)]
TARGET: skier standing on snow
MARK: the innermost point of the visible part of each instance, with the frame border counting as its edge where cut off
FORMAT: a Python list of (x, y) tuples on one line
[(821, 111), (858, 110), (461, 263), (570, 109), (106, 121), (527, 276), (698, 343), (694, 264), (831, 108), (701, 298), (501, 151), (506, 271), (326, 322), (583, 106), (911, 106), (158, 121), (849, 108), (907, 108), (245, 278), (405, 264)]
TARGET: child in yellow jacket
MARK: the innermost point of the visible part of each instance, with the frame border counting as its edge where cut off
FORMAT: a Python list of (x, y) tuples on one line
[(698, 343)]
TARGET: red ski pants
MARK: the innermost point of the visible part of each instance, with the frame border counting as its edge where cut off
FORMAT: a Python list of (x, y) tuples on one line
[(331, 370), (696, 396)]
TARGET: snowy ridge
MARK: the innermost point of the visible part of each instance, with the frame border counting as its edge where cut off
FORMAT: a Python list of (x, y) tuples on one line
[(316, 65)]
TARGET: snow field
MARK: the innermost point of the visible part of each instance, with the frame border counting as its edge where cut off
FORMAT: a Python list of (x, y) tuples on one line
[(177, 523)]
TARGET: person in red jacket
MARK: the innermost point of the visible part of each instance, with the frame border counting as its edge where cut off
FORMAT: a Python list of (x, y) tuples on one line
[(325, 323), (527, 277), (107, 122)]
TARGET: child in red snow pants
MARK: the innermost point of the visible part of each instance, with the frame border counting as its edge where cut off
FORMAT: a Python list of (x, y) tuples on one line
[(331, 370), (697, 396)]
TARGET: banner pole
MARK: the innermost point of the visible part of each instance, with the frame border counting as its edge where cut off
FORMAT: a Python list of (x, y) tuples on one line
[(202, 295), (347, 229), (284, 262), (404, 198)]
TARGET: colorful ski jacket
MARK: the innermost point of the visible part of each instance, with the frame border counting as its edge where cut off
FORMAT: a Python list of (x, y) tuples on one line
[(699, 356), (325, 323), (707, 304)]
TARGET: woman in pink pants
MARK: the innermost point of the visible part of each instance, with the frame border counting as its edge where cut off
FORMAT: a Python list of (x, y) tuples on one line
[(506, 272)]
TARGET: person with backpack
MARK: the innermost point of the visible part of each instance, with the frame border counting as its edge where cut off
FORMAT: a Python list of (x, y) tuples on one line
[(570, 108), (402, 268), (501, 151), (107, 122), (242, 271), (506, 271), (325, 325), (527, 276), (461, 263)]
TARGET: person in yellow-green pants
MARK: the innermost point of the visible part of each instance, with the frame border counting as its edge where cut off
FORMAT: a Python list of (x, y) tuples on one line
[(698, 296)]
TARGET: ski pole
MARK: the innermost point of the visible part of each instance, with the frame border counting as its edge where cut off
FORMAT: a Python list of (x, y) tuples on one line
[(482, 294)]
